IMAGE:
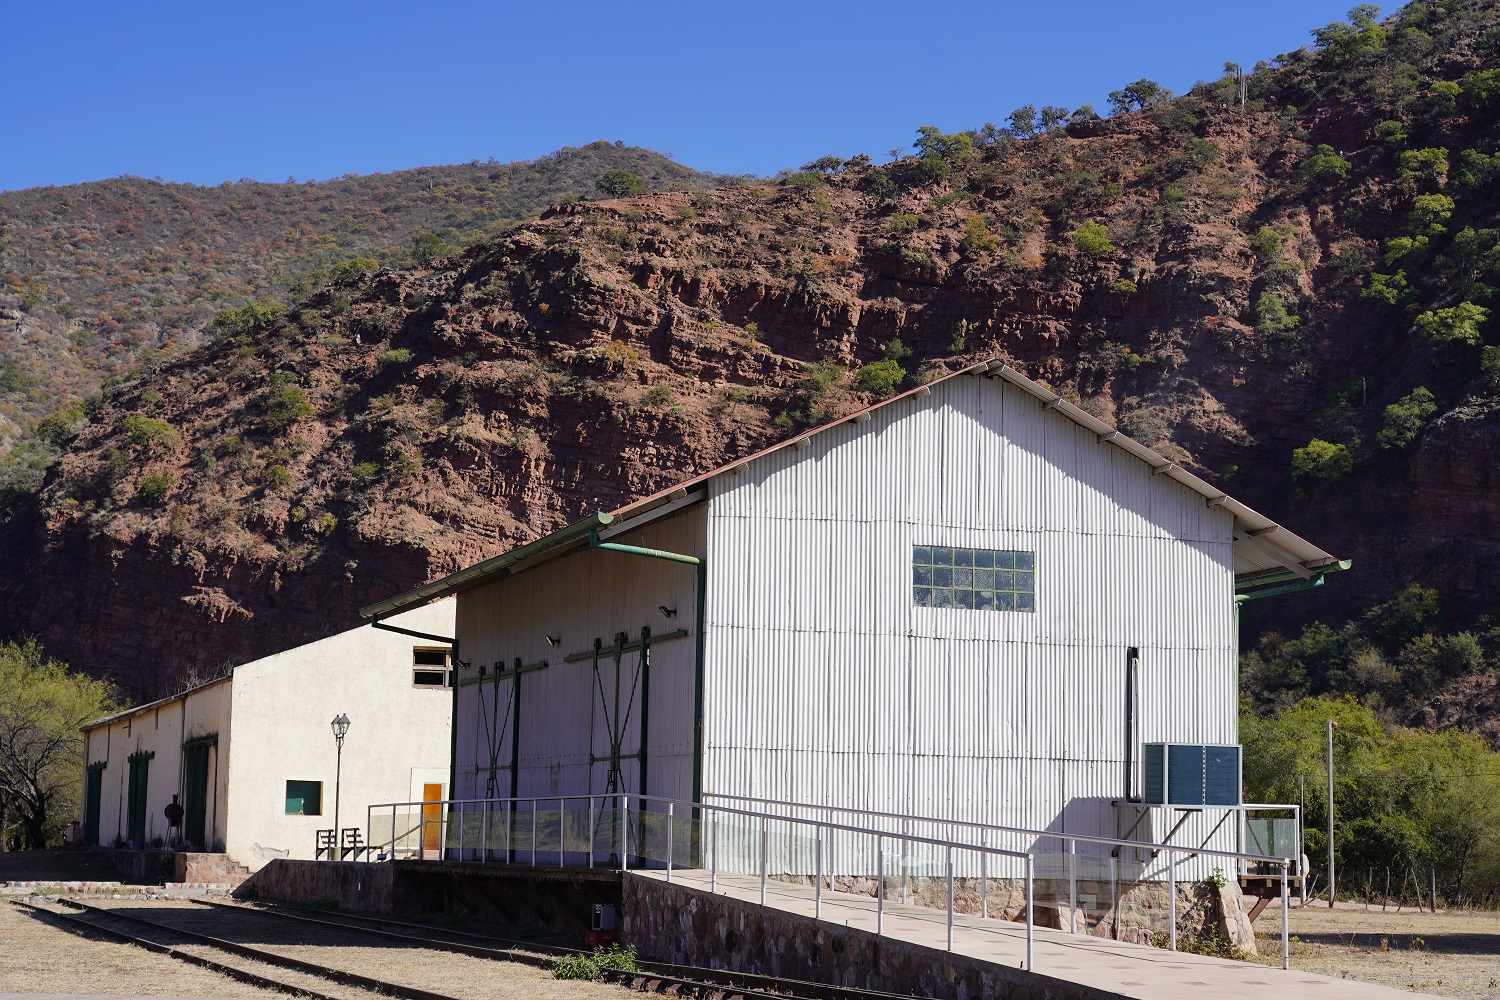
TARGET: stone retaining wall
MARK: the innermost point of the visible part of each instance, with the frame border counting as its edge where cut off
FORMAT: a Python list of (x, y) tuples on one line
[(674, 923), (351, 885)]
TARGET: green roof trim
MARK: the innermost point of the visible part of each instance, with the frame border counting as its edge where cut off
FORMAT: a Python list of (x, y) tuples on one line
[(1283, 575)]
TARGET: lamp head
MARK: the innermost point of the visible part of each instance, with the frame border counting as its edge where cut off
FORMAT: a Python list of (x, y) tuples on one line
[(340, 726), (666, 612), (553, 640)]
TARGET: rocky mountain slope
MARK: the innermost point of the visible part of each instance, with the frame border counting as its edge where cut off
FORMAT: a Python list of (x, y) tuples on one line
[(1289, 296), (97, 278)]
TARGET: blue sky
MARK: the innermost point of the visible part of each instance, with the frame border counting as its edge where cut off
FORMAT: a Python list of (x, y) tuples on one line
[(206, 91)]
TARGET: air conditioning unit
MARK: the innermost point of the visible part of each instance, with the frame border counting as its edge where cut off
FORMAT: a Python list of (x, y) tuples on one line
[(1192, 774)]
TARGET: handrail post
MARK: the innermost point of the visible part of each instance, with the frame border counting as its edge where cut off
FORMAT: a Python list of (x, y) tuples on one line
[(669, 841), (533, 832), (879, 885), (625, 832), (765, 841), (984, 885), (591, 831), (950, 898), (463, 810), (393, 832), (905, 857), (484, 832), (713, 849), (818, 874), (1286, 953), (1073, 885), (1172, 897), (1114, 897), (1030, 922), (562, 825)]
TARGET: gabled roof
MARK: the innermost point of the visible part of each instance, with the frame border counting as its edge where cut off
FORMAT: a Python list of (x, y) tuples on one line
[(1264, 551)]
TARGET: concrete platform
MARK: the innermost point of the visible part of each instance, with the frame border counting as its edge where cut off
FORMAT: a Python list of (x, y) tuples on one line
[(1089, 966)]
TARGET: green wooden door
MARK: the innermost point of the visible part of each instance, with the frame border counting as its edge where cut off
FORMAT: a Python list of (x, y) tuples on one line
[(195, 795), (140, 766), (92, 796)]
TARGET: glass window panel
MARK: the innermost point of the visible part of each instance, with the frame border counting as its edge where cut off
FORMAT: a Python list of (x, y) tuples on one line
[(921, 576), (964, 599), (942, 598), (984, 579), (1005, 560), (1025, 560), (984, 600), (1004, 601), (923, 596), (963, 557), (922, 554), (1025, 581), (942, 556), (942, 576), (984, 558), (963, 577), (981, 579), (1025, 602), (1005, 579)]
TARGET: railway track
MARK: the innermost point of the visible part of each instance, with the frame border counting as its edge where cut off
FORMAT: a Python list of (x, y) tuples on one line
[(170, 938)]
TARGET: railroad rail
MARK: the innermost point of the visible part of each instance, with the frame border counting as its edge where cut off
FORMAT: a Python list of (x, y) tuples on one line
[(656, 977)]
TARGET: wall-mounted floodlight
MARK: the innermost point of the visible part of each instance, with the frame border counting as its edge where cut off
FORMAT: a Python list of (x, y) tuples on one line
[(666, 612), (553, 640)]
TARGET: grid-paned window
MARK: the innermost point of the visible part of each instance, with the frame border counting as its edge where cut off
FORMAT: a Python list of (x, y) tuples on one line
[(945, 576), (430, 667)]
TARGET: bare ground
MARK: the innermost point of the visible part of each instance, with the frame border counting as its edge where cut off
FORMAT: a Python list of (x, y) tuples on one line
[(1454, 954)]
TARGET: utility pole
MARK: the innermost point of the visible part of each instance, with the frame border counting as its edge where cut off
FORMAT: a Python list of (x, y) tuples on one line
[(1332, 885)]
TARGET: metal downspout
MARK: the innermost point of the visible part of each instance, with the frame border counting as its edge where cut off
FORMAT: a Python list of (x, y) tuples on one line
[(702, 566), (454, 667)]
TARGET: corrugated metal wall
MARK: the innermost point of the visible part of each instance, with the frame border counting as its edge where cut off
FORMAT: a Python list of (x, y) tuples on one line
[(825, 683), (579, 597)]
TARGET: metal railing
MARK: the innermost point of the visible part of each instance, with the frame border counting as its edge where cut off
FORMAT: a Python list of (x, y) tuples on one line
[(625, 830)]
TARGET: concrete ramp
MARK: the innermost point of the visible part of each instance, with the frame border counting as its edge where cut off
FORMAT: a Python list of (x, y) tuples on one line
[(688, 922)]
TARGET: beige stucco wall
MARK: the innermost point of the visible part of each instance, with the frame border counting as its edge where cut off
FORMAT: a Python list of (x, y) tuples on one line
[(282, 706), (162, 729)]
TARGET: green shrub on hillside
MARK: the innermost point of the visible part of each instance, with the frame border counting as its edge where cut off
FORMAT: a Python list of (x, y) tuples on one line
[(427, 248), (1461, 323), (396, 356), (1430, 214), (155, 487), (355, 270), (1423, 168), (1272, 317), (148, 434), (620, 184), (880, 377), (1322, 461), (248, 320), (1092, 238), (1405, 419), (1325, 165), (285, 404), (977, 237), (902, 224)]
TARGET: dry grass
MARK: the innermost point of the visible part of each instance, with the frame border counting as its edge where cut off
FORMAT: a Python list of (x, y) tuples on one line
[(38, 957), (1450, 954)]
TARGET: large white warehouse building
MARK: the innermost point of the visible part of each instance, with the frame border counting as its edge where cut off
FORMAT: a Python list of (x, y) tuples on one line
[(971, 601)]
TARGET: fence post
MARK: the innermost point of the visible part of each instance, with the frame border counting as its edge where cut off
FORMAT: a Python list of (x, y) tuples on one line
[(669, 841), (1172, 896), (950, 898), (1030, 923), (879, 886), (818, 874), (765, 839), (1073, 886), (1286, 956)]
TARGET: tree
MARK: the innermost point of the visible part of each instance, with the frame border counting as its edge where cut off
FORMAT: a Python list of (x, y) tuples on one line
[(1460, 323), (1325, 164), (428, 247), (620, 184), (1322, 460), (1023, 121), (1405, 418), (42, 709), (1053, 117), (1092, 238), (1141, 94)]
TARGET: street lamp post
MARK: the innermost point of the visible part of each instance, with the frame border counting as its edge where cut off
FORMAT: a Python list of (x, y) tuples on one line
[(340, 726), (1332, 875)]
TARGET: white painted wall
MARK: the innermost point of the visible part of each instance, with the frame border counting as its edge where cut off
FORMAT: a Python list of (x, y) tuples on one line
[(161, 729), (283, 705), (827, 684)]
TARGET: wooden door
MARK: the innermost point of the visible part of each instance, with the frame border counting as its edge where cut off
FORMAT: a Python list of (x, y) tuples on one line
[(91, 806), (195, 796), (432, 816)]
